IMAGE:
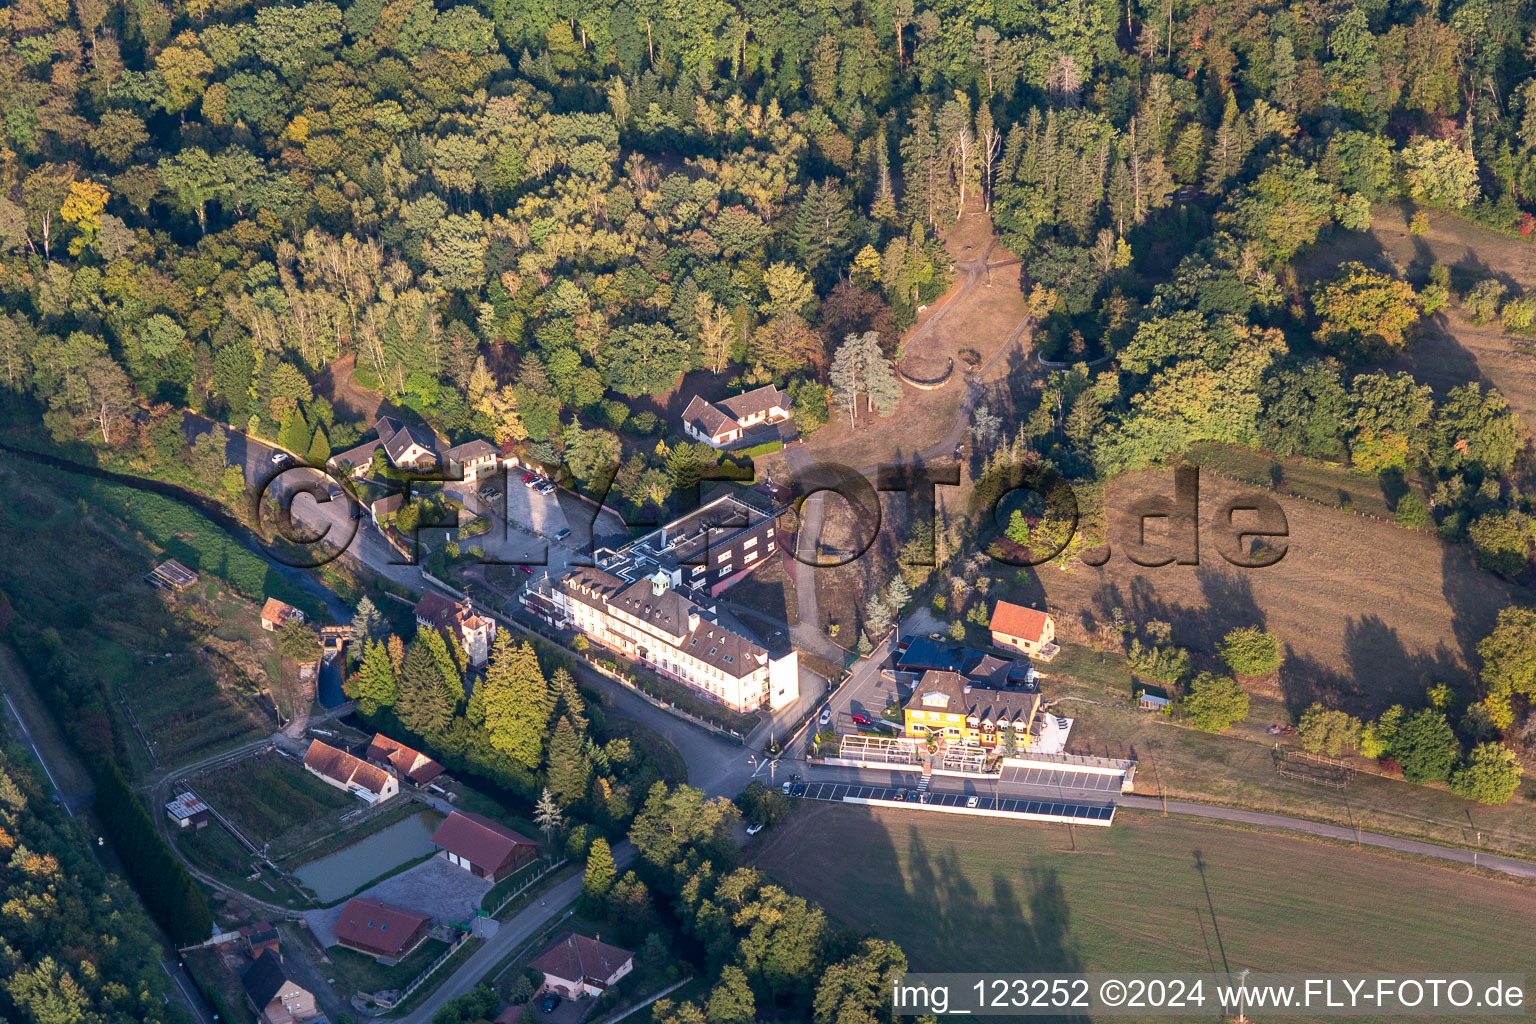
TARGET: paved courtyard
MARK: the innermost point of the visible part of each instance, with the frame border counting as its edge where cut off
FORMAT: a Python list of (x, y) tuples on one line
[(433, 887)]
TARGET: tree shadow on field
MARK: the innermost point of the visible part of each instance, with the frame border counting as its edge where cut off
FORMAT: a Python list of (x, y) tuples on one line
[(1025, 922), (1379, 672)]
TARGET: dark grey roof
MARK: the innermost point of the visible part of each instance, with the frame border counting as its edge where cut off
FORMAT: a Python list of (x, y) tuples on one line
[(973, 701), (749, 403), (707, 417), (668, 612), (397, 437), (265, 978), (472, 449)]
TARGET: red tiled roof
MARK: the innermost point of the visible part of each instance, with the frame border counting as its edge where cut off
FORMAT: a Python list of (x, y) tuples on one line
[(412, 764), (1016, 620), (377, 925), (485, 843), (277, 612), (577, 958), (344, 768)]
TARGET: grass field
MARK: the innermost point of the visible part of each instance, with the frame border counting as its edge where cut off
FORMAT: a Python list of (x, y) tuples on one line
[(365, 974), (81, 574), (1149, 894)]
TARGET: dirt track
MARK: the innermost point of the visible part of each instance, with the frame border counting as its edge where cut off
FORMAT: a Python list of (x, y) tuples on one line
[(66, 770)]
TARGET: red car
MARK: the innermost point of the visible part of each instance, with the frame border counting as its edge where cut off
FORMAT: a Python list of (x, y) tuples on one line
[(527, 569), (859, 719)]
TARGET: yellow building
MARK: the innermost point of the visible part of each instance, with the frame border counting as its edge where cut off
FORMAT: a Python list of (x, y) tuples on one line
[(944, 703)]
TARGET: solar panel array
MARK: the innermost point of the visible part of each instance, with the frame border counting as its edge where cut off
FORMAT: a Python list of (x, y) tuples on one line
[(837, 791), (1093, 781)]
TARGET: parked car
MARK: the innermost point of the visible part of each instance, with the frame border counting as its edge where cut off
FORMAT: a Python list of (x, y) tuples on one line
[(787, 787), (922, 798), (279, 458), (562, 533), (550, 1002), (826, 714), (527, 569), (861, 719), (546, 488), (530, 479), (901, 795), (754, 828), (335, 492), (970, 801), (799, 788), (490, 493)]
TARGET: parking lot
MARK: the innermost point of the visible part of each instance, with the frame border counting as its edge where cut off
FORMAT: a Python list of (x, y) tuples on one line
[(526, 524), (1091, 781), (1101, 814)]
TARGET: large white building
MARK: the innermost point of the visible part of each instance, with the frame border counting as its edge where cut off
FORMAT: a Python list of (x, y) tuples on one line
[(650, 622)]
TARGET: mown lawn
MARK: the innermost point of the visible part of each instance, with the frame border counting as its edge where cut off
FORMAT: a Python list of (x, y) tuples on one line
[(1149, 894), (365, 974)]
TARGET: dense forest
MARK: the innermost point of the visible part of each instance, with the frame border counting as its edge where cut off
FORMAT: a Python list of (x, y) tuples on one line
[(520, 217), (74, 942)]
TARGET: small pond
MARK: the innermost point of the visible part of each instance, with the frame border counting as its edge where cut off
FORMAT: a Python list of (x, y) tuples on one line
[(344, 872)]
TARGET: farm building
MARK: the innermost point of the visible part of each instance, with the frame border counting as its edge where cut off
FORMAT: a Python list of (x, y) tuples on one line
[(381, 930), (368, 782), (275, 615), (411, 765), (187, 811), (483, 847), (172, 575), (576, 966)]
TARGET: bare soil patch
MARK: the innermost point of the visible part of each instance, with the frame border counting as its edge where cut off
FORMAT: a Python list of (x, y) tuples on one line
[(1369, 613), (352, 401), (984, 318)]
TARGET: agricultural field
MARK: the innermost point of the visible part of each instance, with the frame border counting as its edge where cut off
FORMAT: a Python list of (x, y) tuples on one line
[(1150, 894), (271, 799), (191, 668)]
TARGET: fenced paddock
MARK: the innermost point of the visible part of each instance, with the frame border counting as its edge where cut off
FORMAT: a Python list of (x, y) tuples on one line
[(1315, 768)]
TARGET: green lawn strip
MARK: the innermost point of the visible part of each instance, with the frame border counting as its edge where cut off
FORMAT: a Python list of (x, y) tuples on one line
[(1237, 769), (219, 985), (456, 961), (365, 974), (525, 900), (268, 796)]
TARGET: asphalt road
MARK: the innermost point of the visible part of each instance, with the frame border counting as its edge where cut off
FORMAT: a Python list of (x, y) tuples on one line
[(508, 937)]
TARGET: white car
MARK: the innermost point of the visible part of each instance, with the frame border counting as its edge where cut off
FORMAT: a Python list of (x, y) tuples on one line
[(970, 801), (787, 787), (754, 828), (278, 458), (826, 715)]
